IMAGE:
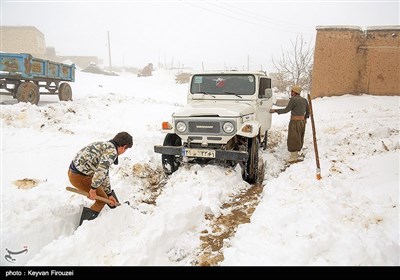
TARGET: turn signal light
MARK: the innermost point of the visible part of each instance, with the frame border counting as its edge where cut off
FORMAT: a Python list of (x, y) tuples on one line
[(166, 125), (247, 128)]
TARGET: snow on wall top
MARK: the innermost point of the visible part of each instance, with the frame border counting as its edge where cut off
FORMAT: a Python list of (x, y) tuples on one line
[(353, 27)]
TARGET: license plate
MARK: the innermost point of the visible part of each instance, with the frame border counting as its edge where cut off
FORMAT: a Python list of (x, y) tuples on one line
[(199, 153)]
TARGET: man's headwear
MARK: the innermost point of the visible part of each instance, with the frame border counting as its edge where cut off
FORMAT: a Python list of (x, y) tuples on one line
[(297, 89)]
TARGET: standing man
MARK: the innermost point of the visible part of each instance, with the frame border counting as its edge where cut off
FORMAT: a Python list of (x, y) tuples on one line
[(300, 111), (89, 171)]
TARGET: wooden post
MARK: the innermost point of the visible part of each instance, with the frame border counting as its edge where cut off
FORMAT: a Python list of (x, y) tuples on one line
[(318, 172)]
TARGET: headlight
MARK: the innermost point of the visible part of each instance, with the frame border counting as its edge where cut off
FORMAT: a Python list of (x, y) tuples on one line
[(228, 127), (181, 127)]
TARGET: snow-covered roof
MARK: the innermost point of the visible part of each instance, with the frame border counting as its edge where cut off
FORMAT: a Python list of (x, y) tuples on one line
[(352, 27), (338, 27), (384, 27)]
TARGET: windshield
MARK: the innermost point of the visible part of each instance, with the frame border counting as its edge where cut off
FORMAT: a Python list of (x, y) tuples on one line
[(227, 84)]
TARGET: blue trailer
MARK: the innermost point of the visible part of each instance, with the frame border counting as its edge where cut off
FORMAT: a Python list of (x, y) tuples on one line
[(22, 76)]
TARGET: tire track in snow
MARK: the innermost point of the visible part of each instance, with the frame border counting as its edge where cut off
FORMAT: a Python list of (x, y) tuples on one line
[(240, 209)]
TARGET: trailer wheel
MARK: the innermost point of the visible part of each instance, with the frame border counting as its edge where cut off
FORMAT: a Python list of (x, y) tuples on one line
[(170, 163), (28, 92), (250, 169), (65, 92)]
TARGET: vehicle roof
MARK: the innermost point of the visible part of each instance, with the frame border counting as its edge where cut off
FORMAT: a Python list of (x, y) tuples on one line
[(219, 72)]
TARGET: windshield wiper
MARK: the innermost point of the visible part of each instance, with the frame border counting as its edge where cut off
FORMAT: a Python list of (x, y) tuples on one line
[(205, 93), (234, 93)]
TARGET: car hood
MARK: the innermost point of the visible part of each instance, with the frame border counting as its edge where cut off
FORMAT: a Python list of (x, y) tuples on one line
[(220, 109)]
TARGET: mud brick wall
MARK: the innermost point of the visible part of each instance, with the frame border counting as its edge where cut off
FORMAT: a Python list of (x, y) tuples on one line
[(22, 39), (349, 60)]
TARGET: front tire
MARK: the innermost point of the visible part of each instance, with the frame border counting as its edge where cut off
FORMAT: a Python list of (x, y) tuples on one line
[(250, 169), (170, 163)]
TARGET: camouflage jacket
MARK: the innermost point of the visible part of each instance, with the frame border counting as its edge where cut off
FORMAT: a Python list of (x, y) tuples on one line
[(95, 160)]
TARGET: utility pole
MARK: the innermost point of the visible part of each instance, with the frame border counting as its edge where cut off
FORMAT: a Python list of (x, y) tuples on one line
[(109, 50)]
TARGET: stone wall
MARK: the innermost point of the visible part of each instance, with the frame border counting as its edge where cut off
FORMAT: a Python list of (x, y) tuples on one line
[(348, 60)]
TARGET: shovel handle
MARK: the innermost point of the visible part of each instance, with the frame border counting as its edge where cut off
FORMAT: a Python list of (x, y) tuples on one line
[(106, 200)]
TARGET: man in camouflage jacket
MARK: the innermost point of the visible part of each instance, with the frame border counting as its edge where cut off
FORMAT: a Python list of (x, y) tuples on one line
[(89, 171), (300, 111)]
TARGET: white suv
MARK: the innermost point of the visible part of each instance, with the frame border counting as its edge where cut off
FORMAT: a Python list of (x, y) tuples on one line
[(226, 118)]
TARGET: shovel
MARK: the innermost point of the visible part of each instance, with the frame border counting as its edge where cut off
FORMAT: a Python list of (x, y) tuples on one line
[(106, 200)]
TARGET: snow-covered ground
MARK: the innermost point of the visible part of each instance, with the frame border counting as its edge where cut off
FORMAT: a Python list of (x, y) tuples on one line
[(350, 217)]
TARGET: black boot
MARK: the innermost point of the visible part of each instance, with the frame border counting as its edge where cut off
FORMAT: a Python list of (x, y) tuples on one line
[(88, 214)]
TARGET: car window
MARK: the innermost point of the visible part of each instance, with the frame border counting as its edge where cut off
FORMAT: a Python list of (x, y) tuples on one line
[(223, 84)]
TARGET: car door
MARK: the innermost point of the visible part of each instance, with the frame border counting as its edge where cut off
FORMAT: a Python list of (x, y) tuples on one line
[(264, 104)]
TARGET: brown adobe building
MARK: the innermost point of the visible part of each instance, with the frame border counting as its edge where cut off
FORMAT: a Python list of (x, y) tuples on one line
[(348, 60)]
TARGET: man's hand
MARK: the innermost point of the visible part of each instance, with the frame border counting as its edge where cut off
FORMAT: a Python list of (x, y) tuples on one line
[(272, 110), (113, 197), (92, 194), (113, 201)]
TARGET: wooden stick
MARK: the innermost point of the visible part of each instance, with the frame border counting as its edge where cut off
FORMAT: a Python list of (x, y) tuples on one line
[(318, 175), (106, 200)]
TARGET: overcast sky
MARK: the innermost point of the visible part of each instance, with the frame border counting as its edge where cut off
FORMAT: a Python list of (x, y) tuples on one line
[(216, 34)]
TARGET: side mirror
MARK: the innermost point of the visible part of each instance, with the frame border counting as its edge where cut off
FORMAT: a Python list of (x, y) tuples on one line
[(268, 93)]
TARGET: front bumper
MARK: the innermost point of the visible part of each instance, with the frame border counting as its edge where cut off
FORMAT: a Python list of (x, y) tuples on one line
[(219, 154)]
